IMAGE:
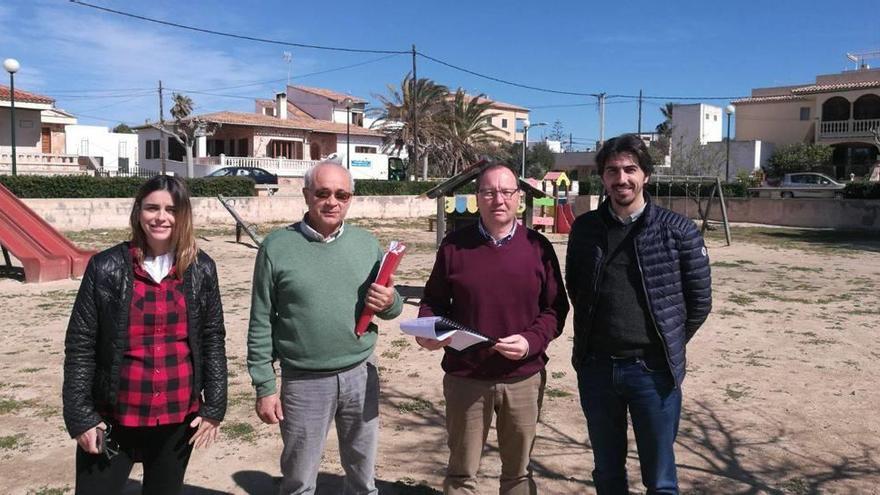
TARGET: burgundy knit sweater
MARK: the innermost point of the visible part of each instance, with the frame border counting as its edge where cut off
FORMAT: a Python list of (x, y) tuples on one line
[(515, 288)]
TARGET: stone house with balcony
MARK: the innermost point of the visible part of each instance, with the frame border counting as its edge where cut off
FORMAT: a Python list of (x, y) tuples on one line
[(39, 134), (840, 110), (285, 142)]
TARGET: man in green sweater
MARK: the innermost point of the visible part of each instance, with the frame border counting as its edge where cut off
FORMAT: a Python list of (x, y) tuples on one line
[(311, 281)]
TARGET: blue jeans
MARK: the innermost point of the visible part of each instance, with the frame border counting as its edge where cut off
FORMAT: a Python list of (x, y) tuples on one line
[(608, 387)]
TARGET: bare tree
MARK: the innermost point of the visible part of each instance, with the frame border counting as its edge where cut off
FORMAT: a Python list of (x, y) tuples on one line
[(186, 130)]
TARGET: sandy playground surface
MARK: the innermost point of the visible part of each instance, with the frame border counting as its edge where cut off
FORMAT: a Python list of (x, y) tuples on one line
[(781, 395)]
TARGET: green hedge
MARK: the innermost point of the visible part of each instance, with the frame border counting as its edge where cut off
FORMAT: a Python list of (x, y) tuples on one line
[(369, 187), (862, 190), (85, 186)]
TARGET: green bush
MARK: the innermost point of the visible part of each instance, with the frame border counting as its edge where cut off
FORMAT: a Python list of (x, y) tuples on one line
[(85, 186), (862, 190)]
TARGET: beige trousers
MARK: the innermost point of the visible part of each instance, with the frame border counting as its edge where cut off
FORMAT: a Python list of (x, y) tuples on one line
[(470, 406)]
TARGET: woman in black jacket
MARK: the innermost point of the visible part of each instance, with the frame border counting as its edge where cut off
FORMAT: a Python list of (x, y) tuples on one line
[(145, 358)]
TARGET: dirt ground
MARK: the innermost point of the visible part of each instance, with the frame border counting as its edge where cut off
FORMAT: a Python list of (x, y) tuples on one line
[(781, 394)]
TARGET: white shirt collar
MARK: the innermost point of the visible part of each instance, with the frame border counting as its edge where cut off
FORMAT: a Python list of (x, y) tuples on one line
[(158, 267), (631, 218), (314, 235)]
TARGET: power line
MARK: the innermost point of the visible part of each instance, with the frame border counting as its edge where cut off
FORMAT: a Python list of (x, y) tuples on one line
[(503, 81), (262, 83), (232, 35), (391, 52)]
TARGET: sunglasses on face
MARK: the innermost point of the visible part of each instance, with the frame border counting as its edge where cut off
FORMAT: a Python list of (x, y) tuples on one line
[(339, 194)]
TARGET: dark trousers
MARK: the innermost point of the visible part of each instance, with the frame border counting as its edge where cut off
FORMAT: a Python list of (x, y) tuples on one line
[(644, 386), (164, 451)]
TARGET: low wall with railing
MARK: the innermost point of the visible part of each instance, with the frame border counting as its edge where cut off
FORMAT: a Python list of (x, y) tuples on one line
[(112, 213)]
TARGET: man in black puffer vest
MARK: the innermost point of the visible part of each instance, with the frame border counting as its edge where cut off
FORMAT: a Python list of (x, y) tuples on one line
[(638, 278)]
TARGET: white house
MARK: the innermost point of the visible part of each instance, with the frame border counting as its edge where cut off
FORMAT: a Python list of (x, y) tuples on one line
[(696, 123), (110, 151)]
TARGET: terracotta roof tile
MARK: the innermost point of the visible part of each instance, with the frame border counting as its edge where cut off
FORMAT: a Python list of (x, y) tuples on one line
[(292, 108), (494, 103), (767, 99), (825, 88), (292, 122), (24, 96), (330, 94)]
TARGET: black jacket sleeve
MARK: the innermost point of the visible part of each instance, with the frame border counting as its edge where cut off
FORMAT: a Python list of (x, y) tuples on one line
[(213, 338), (696, 279), (80, 348)]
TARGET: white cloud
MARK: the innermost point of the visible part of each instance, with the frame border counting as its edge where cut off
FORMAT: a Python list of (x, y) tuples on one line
[(80, 49)]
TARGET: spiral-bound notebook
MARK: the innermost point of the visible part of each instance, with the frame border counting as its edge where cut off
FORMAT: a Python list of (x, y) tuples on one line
[(440, 328)]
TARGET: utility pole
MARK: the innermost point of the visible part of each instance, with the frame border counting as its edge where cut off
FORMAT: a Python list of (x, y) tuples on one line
[(413, 99), (162, 125), (601, 97), (640, 113), (570, 139)]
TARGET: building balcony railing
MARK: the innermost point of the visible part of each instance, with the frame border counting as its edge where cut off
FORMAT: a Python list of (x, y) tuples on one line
[(848, 128), (44, 159), (282, 166)]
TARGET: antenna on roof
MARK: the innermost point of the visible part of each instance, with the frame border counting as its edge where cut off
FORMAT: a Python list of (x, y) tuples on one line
[(859, 58), (288, 57)]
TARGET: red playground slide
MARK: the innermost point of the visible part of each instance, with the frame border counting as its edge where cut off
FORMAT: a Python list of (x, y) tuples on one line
[(564, 218), (44, 253)]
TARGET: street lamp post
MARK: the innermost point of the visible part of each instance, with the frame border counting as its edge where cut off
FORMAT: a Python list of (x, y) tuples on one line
[(526, 125), (729, 111), (11, 65), (347, 102)]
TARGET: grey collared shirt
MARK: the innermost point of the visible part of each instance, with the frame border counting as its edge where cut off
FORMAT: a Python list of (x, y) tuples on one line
[(631, 218), (314, 235), (498, 242)]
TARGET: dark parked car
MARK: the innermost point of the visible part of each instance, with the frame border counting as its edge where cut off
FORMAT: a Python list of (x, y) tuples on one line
[(259, 175)]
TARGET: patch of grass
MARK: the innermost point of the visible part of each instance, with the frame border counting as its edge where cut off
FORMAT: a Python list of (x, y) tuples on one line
[(727, 312), (735, 391), (45, 490), (400, 343), (796, 486), (31, 370), (556, 393), (12, 442), (414, 374), (725, 264), (741, 299), (804, 269), (239, 430), (557, 375), (9, 406), (819, 341), (413, 406), (763, 311), (773, 296), (391, 354)]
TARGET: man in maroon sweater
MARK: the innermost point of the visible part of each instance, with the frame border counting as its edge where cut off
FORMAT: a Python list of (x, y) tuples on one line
[(504, 280)]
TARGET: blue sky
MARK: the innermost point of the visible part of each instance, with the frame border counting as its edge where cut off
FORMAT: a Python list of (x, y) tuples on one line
[(105, 68)]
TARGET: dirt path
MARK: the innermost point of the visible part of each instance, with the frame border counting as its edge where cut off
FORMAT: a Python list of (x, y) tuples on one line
[(781, 394)]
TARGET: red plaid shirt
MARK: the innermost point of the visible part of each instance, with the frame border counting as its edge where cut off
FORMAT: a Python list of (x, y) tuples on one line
[(156, 376)]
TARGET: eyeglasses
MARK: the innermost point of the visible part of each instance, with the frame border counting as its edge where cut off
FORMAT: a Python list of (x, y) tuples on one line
[(493, 193), (339, 194), (106, 445)]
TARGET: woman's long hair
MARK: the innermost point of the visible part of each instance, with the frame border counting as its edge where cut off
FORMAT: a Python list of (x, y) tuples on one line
[(183, 241)]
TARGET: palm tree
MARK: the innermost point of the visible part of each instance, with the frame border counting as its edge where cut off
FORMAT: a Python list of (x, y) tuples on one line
[(396, 118), (467, 131), (183, 106), (665, 127)]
